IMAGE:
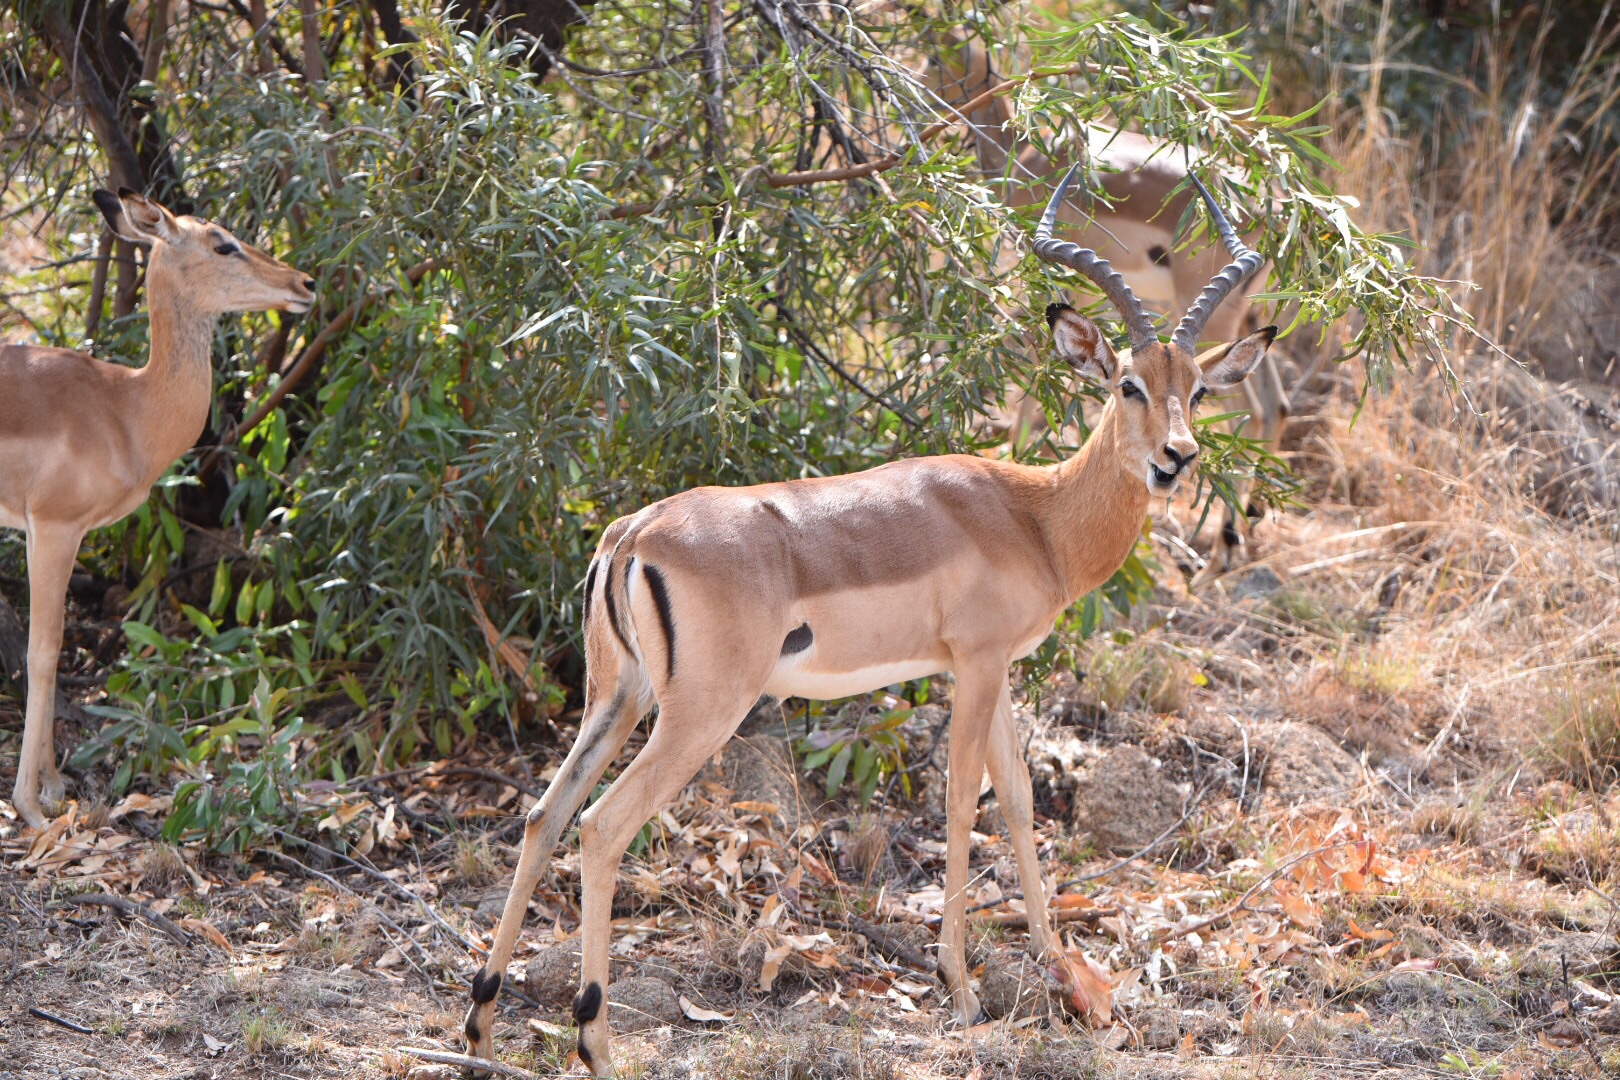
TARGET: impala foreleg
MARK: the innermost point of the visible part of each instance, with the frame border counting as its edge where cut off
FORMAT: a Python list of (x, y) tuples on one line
[(601, 735), (51, 550), (691, 728), (979, 686), (1009, 773)]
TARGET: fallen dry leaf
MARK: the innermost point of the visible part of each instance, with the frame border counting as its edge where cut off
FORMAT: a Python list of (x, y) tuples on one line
[(1088, 990), (700, 1014)]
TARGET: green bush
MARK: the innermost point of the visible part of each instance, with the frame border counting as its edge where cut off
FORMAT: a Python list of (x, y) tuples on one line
[(620, 305)]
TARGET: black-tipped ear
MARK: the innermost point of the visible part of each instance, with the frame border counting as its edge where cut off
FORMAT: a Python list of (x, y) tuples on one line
[(127, 193), (1080, 343), (1224, 369), (112, 208)]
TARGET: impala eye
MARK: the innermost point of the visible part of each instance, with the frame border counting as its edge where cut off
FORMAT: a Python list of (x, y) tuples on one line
[(1198, 395), (227, 249), (1129, 389)]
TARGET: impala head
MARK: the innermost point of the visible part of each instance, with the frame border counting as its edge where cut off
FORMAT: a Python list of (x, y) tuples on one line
[(213, 270), (1157, 387)]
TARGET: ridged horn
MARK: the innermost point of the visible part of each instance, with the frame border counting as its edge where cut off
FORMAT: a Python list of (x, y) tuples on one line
[(1244, 263), (1095, 267)]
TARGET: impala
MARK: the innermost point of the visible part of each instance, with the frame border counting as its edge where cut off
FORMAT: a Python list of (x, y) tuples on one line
[(82, 440), (835, 586), (1145, 181)]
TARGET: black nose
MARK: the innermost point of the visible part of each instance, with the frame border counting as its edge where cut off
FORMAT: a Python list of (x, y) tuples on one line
[(309, 283), (1179, 461)]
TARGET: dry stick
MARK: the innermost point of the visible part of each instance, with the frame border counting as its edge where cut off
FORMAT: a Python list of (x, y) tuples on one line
[(466, 1061), (310, 30), (1243, 901), (378, 875), (382, 915), (59, 1022), (129, 907), (491, 775), (1192, 804), (314, 350), (1019, 920), (98, 282), (157, 35)]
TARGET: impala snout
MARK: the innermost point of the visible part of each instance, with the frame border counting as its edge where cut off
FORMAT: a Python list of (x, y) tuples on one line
[(301, 293)]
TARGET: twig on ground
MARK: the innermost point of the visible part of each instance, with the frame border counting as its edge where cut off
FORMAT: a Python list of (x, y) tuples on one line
[(130, 907), (378, 875), (1242, 904), (480, 773), (59, 1022), (1019, 920), (877, 935), (466, 1061)]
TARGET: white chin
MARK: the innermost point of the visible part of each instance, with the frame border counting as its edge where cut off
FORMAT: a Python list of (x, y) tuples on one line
[(296, 307), (1161, 491)]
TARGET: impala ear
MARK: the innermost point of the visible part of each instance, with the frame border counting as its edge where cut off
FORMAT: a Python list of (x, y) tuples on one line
[(1225, 368), (134, 217), (1080, 343)]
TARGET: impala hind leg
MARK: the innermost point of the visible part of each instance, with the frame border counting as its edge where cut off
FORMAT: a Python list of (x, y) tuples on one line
[(51, 550), (601, 735), (691, 728), (1009, 773), (979, 687)]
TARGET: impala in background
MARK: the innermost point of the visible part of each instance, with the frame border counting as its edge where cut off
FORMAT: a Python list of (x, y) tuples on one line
[(1146, 183), (829, 587), (82, 440)]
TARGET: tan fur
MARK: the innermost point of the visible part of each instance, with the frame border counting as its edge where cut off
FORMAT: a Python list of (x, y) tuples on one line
[(1140, 176), (82, 441), (951, 563)]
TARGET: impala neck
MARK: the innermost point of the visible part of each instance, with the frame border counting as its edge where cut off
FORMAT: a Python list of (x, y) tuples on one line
[(1097, 516), (176, 385)]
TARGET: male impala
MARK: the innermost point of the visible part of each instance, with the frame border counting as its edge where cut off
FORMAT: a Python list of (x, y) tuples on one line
[(1145, 180), (835, 586), (82, 441)]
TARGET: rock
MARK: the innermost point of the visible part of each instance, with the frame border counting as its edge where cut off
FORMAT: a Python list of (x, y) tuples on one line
[(1013, 985), (433, 1072), (907, 943), (1606, 1021), (490, 905), (553, 975), (1163, 1026), (1304, 762), (1259, 581), (656, 967), (641, 1004), (1125, 801), (1160, 1028), (1586, 952), (760, 768)]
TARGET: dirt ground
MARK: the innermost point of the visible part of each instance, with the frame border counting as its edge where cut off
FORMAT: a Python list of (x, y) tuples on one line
[(1315, 909)]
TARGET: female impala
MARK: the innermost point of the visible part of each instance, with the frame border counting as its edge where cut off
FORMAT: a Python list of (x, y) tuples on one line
[(82, 441), (837, 586)]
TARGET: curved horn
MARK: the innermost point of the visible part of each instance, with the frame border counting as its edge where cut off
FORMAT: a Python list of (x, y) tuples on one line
[(1095, 267), (1244, 263)]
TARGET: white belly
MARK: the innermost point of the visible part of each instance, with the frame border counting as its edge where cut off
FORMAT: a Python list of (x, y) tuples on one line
[(793, 677)]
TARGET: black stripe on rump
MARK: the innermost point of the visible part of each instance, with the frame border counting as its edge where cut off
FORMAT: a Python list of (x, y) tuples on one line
[(613, 603), (660, 595), (590, 587), (798, 640)]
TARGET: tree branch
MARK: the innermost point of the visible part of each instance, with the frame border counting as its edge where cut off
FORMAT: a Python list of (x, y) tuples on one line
[(313, 351)]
